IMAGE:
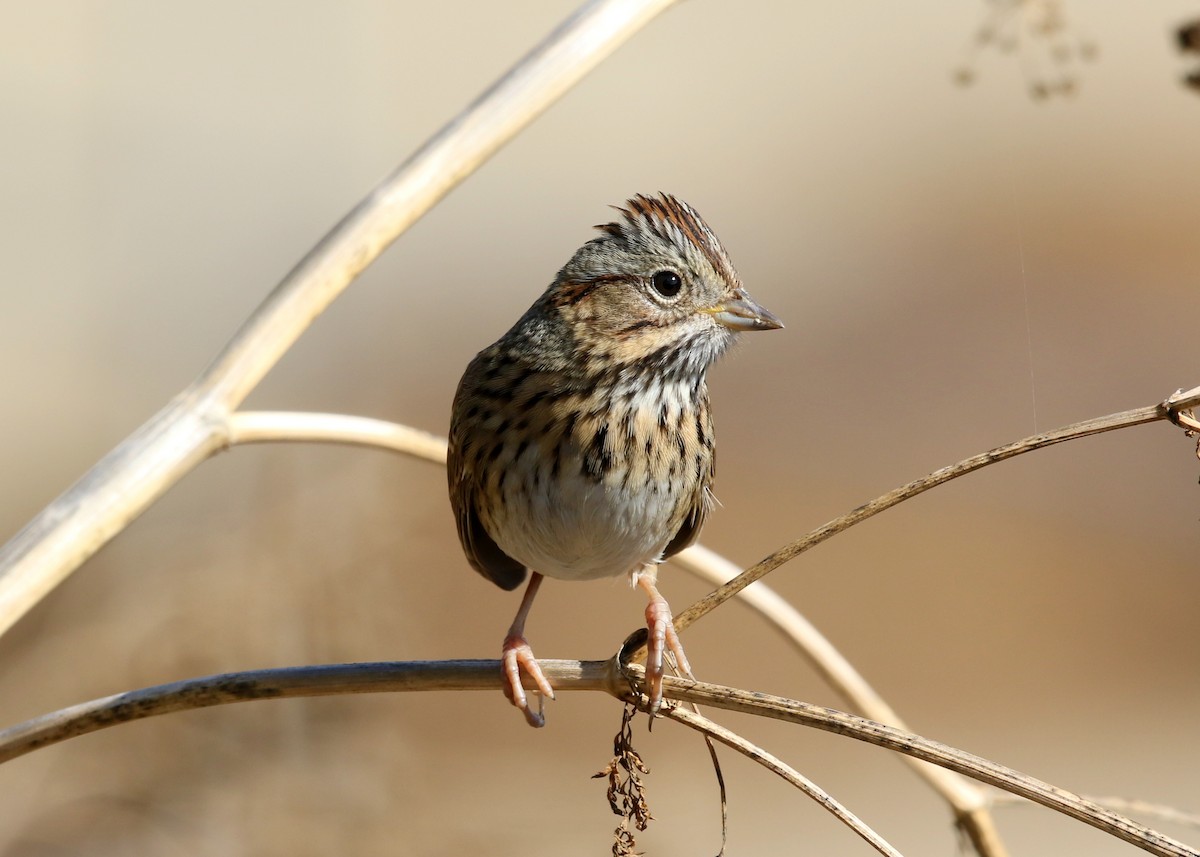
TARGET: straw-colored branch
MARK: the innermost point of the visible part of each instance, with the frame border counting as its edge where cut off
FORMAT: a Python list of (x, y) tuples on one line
[(1175, 408), (702, 724), (603, 676), (193, 426), (295, 427)]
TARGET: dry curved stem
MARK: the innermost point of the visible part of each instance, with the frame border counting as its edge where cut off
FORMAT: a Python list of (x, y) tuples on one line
[(731, 739), (1175, 408), (899, 740), (297, 426), (192, 427), (969, 802), (613, 676)]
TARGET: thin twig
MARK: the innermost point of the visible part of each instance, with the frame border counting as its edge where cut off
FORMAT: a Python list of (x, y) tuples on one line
[(969, 802), (1171, 409), (1150, 810), (192, 427), (731, 739), (1117, 804)]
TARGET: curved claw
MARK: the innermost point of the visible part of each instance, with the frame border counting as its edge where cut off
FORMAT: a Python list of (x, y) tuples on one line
[(662, 638), (515, 655)]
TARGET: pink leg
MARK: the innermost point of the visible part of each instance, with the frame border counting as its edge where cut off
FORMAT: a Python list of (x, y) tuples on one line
[(516, 654), (662, 637)]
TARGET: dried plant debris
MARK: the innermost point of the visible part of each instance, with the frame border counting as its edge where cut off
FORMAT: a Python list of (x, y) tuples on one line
[(1189, 418), (1049, 49), (626, 794), (1189, 36), (1189, 41)]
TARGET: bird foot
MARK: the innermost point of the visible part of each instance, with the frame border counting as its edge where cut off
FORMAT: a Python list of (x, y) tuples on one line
[(515, 656), (662, 638)]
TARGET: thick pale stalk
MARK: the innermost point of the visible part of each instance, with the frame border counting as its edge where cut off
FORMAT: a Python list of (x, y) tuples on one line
[(101, 504), (135, 474), (537, 81)]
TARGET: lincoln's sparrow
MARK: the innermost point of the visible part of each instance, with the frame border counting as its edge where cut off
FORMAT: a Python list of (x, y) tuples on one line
[(581, 443)]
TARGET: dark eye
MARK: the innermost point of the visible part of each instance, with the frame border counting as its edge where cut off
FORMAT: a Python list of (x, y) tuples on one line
[(667, 283)]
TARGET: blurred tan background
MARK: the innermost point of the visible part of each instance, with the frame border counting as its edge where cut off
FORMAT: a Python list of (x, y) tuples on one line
[(957, 268)]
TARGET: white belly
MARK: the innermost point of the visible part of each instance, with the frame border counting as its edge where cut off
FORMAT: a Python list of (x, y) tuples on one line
[(580, 529)]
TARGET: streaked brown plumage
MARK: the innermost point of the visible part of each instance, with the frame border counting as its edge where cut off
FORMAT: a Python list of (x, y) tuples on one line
[(581, 442)]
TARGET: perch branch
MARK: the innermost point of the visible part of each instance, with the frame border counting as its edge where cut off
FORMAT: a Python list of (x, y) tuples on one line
[(902, 741), (289, 683), (192, 427), (604, 676)]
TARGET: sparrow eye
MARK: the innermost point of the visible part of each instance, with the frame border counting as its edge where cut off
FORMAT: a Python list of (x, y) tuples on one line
[(667, 283)]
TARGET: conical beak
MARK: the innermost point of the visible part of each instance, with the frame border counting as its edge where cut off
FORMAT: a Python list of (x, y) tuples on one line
[(742, 313)]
